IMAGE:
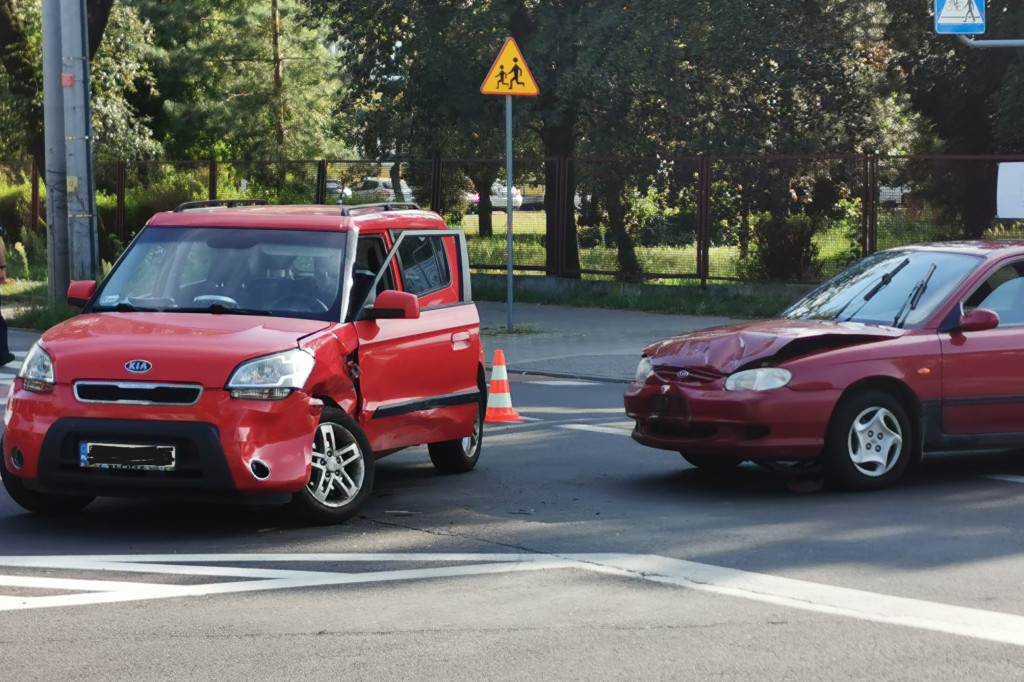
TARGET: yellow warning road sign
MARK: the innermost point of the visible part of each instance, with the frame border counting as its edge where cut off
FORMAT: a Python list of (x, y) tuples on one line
[(509, 75)]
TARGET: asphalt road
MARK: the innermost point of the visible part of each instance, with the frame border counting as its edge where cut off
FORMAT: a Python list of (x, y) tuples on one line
[(571, 552)]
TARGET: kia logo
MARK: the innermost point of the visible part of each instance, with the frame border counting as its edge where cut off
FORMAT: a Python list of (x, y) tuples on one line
[(138, 366)]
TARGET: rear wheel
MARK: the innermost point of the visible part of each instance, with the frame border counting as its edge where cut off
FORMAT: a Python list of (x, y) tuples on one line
[(716, 464), (869, 443), (461, 454), (341, 478), (40, 503)]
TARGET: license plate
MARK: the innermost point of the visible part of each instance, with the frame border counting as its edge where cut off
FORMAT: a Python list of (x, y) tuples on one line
[(139, 457)]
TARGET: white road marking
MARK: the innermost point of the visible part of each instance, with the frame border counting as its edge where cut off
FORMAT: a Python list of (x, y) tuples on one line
[(562, 382), (612, 430), (799, 594), (1009, 478)]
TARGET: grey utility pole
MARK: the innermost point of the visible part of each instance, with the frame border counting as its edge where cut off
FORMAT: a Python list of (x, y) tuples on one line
[(81, 185), (56, 184)]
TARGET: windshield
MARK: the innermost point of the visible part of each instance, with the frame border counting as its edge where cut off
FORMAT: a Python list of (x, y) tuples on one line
[(285, 273), (898, 287)]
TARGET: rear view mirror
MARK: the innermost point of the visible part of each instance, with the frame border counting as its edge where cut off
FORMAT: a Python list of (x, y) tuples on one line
[(80, 292), (393, 305), (978, 320)]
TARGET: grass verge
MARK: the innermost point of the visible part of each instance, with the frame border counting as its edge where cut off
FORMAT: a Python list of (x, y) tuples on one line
[(678, 300)]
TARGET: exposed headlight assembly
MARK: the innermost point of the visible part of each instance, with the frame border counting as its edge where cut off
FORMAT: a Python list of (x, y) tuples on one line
[(644, 369), (37, 370), (271, 377), (761, 379)]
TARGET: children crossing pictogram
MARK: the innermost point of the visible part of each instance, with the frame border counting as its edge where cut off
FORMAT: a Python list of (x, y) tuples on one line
[(509, 75)]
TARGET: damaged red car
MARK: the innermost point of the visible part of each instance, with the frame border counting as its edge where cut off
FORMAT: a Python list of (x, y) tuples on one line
[(911, 350)]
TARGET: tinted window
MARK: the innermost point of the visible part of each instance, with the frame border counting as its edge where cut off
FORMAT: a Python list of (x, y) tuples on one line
[(423, 263)]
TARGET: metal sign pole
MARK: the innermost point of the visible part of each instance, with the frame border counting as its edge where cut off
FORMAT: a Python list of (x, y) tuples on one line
[(508, 199)]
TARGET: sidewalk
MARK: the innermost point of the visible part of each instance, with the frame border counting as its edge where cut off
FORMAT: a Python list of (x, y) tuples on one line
[(592, 343)]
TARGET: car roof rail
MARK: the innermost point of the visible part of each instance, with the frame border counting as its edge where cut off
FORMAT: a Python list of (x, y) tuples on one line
[(355, 209), (227, 203)]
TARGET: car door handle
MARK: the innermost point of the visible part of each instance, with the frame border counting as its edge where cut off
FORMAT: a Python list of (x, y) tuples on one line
[(460, 340)]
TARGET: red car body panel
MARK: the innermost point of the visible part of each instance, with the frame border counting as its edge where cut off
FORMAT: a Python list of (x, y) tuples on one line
[(396, 377), (963, 389)]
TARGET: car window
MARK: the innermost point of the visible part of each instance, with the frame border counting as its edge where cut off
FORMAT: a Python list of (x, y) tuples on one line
[(370, 254), (1002, 293), (895, 287), (285, 273), (423, 264)]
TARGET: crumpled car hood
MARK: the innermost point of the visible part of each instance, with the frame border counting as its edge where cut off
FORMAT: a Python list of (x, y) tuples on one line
[(729, 348)]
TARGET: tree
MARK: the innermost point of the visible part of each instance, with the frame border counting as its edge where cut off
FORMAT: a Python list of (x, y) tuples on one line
[(20, 57), (236, 81), (971, 97)]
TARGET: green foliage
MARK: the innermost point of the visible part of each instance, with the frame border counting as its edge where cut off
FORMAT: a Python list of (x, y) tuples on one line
[(17, 261), (686, 299), (784, 250), (42, 316), (219, 92), (15, 206)]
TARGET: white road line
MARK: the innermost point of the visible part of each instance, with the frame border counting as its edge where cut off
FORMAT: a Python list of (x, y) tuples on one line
[(562, 382), (958, 620), (799, 594), (597, 429), (1009, 478)]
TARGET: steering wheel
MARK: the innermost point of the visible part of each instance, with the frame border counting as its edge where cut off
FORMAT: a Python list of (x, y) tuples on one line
[(210, 299), (303, 304)]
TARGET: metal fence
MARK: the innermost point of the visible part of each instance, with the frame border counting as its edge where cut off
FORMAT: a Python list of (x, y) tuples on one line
[(693, 219)]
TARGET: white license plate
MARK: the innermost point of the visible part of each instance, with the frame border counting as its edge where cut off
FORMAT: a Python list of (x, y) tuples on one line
[(139, 457)]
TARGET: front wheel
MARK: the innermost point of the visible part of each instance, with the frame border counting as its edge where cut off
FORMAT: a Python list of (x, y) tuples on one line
[(461, 454), (341, 477), (869, 443), (35, 501)]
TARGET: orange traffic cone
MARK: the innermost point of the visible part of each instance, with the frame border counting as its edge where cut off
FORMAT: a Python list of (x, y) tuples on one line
[(499, 398)]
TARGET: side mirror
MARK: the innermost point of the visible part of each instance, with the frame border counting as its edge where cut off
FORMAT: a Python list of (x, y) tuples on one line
[(395, 305), (80, 292), (978, 320)]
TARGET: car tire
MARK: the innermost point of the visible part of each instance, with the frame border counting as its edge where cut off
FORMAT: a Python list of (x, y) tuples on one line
[(461, 454), (341, 477), (869, 442), (41, 503), (715, 464)]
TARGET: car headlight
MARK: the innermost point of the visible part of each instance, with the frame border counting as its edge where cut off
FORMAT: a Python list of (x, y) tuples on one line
[(271, 377), (37, 370), (644, 369), (762, 379)]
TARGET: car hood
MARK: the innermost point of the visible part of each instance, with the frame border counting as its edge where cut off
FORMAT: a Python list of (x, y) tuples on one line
[(182, 347), (729, 348)]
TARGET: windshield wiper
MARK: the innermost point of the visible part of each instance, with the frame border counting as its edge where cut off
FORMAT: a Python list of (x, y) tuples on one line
[(882, 283), (125, 307), (222, 309), (915, 297)]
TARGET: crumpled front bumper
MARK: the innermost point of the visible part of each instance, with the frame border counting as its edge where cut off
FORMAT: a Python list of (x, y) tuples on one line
[(704, 418)]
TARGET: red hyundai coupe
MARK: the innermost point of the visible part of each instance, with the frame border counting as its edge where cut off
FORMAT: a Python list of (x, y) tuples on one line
[(911, 350)]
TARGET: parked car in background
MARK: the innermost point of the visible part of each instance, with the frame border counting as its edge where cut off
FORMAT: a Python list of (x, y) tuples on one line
[(336, 190), (256, 353), (499, 198), (369, 190), (911, 350)]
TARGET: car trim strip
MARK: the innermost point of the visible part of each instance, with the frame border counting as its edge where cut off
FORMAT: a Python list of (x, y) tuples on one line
[(434, 402)]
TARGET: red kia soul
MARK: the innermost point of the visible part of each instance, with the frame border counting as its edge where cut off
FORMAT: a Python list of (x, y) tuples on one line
[(268, 353)]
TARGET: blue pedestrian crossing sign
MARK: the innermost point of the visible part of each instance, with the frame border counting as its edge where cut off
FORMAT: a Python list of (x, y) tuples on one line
[(959, 16)]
